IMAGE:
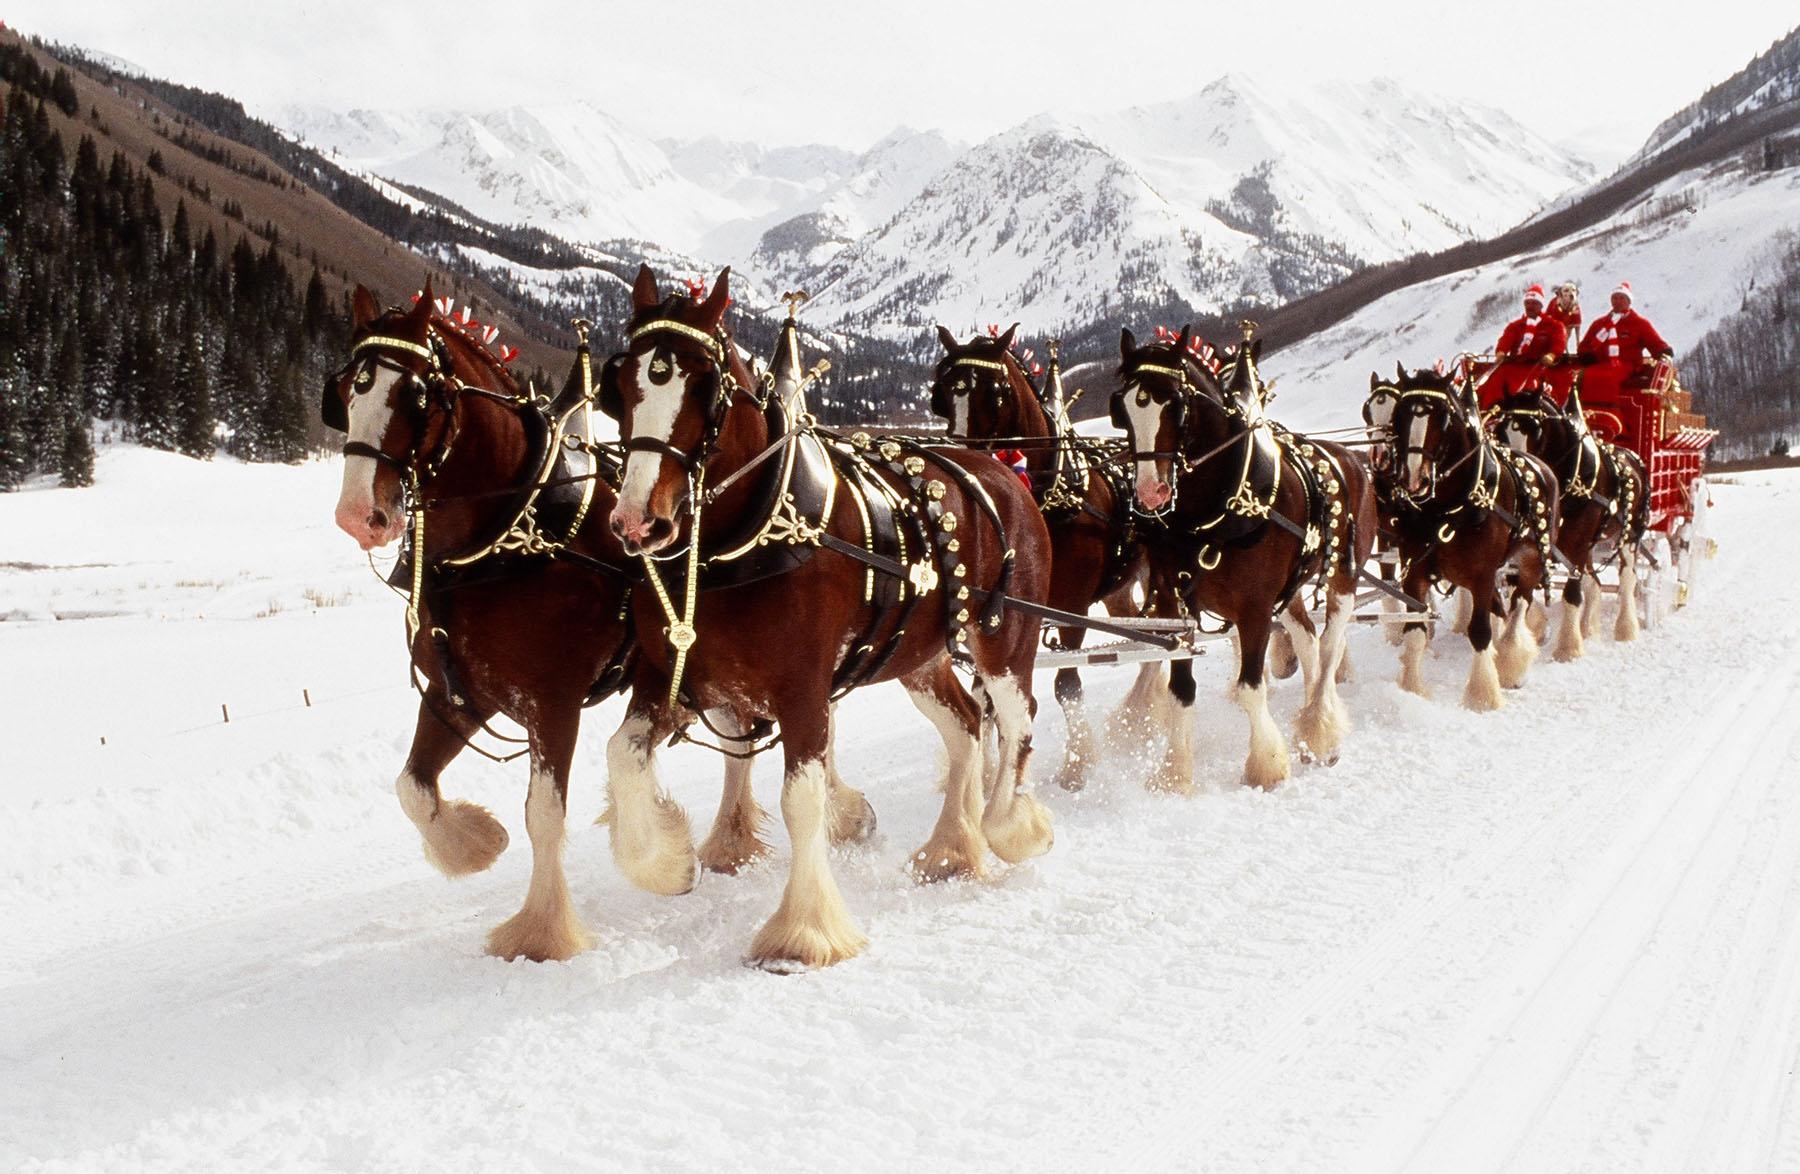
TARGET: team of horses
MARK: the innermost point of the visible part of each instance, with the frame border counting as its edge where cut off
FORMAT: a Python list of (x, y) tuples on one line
[(734, 568)]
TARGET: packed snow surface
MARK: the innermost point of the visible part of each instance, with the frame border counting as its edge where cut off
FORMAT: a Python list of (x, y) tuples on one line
[(1558, 937)]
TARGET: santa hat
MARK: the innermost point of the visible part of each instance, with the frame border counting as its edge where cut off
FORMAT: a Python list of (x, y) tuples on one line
[(1624, 287), (1534, 292)]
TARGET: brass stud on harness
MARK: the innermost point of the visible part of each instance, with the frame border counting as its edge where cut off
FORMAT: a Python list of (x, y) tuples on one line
[(914, 465), (861, 441), (890, 450), (948, 521), (933, 489)]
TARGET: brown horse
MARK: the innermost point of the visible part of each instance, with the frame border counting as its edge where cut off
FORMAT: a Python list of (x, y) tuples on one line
[(1246, 513), (1605, 507), (525, 619), (981, 388), (1462, 510), (770, 614)]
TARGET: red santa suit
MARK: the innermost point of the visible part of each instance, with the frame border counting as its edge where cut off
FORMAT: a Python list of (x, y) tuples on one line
[(1614, 350), (1524, 344)]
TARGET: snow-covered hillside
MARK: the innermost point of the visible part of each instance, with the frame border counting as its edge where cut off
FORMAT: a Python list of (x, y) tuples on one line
[(1691, 248), (1559, 937)]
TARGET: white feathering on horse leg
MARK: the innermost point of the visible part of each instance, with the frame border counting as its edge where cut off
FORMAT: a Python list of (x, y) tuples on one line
[(1268, 762), (651, 841), (1303, 644), (1017, 826), (1323, 721), (1569, 643), (1591, 596), (1537, 619), (1517, 651), (546, 929), (1412, 661), (1483, 691), (459, 837), (1174, 771), (1132, 720), (735, 840), (1625, 628), (956, 847), (852, 818), (812, 926)]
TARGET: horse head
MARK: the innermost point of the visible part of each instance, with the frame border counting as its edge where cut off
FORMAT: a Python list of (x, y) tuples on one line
[(1528, 420), (982, 390), (1167, 402), (1433, 423), (393, 402), (669, 390)]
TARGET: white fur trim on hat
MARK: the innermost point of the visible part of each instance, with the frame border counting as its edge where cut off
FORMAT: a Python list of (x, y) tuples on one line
[(1624, 287), (1534, 290)]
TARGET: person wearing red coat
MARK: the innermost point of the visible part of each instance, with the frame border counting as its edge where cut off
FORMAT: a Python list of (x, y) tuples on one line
[(1527, 348), (1565, 307), (1618, 349)]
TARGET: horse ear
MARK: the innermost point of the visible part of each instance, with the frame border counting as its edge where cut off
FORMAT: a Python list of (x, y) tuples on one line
[(1181, 340), (1005, 341), (1127, 343), (712, 310), (1374, 381), (363, 309), (421, 311), (946, 339), (1400, 370), (643, 290)]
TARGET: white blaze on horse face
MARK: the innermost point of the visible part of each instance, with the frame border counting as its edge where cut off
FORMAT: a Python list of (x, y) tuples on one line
[(369, 414), (1416, 424), (959, 410), (1516, 438), (653, 418), (1144, 417)]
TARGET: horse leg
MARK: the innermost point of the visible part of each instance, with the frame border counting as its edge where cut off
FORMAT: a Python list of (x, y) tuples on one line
[(651, 841), (1126, 728), (1625, 627), (1517, 650), (1537, 619), (459, 837), (1017, 826), (1322, 723), (1078, 751), (1267, 763), (1569, 644), (1303, 641), (1483, 690), (1465, 604), (1175, 773), (852, 819), (1591, 596), (957, 847), (1416, 638), (734, 841), (1282, 658), (546, 928), (1395, 633), (811, 927)]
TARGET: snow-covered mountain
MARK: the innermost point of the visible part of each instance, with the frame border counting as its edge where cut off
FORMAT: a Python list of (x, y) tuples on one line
[(1771, 79), (1231, 196)]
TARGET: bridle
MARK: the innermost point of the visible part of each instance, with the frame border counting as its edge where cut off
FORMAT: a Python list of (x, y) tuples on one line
[(966, 386), (419, 391), (1236, 417), (659, 356), (1411, 402)]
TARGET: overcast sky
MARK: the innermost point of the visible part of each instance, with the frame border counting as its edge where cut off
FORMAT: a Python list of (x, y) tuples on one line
[(846, 72)]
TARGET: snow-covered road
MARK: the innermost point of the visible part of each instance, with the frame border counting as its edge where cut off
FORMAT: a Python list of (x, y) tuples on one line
[(1565, 936)]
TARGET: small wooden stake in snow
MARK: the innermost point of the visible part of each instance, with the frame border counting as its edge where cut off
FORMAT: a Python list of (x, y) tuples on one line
[(307, 694), (102, 739), (226, 712)]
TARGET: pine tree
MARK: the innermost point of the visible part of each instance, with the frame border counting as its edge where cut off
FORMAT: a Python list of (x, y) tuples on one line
[(194, 422), (75, 458)]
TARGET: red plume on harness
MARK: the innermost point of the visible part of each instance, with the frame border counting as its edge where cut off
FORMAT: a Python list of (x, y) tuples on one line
[(1438, 367), (508, 353), (993, 330), (1013, 459), (697, 288)]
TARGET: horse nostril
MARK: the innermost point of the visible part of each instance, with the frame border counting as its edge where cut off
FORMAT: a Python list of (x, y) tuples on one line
[(378, 519)]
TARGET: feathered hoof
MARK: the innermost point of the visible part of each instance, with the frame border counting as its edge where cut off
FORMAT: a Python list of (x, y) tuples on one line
[(1173, 775), (731, 851), (1024, 832), (463, 838), (1537, 619), (1482, 694), (1071, 776), (553, 935), (788, 946), (954, 857), (1266, 772), (664, 862), (852, 819)]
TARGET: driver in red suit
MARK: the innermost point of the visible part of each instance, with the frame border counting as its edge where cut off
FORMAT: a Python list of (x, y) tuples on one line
[(1527, 348), (1619, 350)]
